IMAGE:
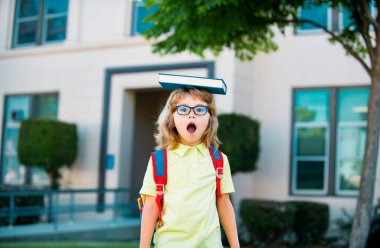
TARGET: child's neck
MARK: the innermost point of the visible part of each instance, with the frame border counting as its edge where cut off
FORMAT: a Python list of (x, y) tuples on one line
[(192, 144)]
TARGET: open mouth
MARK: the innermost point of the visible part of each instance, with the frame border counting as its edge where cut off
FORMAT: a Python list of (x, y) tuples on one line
[(191, 128)]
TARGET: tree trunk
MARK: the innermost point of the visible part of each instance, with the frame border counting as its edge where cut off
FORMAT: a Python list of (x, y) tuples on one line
[(363, 214), (50, 198), (54, 176)]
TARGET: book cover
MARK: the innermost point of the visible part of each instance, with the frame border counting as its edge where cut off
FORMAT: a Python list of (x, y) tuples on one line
[(173, 81)]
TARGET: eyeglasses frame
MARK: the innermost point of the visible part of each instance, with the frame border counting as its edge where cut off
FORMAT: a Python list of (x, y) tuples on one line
[(192, 108)]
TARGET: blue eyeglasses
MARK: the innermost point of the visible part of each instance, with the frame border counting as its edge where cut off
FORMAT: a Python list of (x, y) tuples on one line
[(185, 110)]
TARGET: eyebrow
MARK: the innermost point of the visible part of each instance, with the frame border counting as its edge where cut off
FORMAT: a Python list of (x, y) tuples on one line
[(203, 105)]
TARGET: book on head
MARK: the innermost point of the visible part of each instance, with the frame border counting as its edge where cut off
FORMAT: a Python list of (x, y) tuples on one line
[(173, 81)]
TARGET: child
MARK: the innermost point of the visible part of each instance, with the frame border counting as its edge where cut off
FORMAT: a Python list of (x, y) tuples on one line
[(186, 127)]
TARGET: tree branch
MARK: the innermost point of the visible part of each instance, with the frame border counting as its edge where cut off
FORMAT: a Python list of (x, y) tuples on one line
[(364, 5), (377, 48), (377, 11), (346, 46), (363, 25)]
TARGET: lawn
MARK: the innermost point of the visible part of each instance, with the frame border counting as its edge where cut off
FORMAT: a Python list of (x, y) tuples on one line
[(69, 245)]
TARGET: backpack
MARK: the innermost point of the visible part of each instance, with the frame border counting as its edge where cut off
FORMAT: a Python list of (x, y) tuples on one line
[(160, 172)]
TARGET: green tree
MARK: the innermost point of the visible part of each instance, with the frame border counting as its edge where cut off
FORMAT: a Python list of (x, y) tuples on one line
[(247, 27), (49, 144)]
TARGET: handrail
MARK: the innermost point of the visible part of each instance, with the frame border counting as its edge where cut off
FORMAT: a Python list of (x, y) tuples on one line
[(39, 191), (54, 206)]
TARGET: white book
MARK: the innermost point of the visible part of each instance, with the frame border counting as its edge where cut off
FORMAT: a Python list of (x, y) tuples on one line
[(173, 81)]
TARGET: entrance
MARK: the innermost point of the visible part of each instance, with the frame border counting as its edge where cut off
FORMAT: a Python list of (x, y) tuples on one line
[(130, 108), (148, 105)]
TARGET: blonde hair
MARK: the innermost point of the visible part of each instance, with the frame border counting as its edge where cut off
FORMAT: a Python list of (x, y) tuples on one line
[(166, 134)]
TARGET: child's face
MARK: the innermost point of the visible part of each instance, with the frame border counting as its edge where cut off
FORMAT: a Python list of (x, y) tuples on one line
[(191, 127)]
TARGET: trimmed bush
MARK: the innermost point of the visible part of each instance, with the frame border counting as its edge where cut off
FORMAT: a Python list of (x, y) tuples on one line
[(240, 139), (311, 221), (272, 222), (267, 221), (34, 203), (49, 144)]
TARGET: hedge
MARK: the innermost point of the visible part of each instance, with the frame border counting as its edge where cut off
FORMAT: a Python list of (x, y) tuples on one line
[(273, 222), (311, 222), (240, 137), (267, 221)]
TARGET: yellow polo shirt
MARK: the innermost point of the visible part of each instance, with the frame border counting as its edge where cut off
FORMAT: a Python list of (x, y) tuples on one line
[(190, 218)]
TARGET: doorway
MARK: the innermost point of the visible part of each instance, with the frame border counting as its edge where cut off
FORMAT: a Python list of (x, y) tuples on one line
[(148, 105)]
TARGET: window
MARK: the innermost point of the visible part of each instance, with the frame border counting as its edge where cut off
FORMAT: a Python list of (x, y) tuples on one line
[(320, 14), (39, 22), (311, 141), (334, 19), (18, 108), (139, 13), (329, 132), (346, 18), (351, 136)]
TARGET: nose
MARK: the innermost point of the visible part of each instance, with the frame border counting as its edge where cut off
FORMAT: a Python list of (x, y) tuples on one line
[(191, 114)]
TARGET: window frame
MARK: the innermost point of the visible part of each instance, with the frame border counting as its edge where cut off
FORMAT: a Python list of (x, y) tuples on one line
[(41, 31), (358, 124), (331, 167), (46, 16), (296, 158), (331, 19), (340, 18), (134, 22), (299, 31), (32, 107), (134, 16), (338, 158), (373, 11)]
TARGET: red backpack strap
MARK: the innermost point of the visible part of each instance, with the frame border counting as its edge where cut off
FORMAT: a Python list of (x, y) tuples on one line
[(217, 160), (160, 171)]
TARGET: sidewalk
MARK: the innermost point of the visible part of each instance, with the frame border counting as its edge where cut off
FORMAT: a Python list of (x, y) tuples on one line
[(119, 230)]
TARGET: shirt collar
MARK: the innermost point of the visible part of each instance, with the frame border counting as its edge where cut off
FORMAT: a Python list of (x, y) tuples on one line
[(182, 149)]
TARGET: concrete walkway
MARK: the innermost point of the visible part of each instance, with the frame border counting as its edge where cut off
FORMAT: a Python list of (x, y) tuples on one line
[(119, 230)]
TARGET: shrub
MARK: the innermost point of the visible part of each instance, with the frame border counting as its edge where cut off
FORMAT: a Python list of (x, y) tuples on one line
[(345, 225), (240, 139), (311, 221), (49, 144), (34, 203), (267, 221)]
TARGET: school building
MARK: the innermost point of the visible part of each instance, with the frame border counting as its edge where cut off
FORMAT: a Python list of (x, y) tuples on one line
[(85, 62)]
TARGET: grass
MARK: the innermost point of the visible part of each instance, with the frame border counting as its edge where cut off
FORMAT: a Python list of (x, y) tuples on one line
[(69, 245)]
